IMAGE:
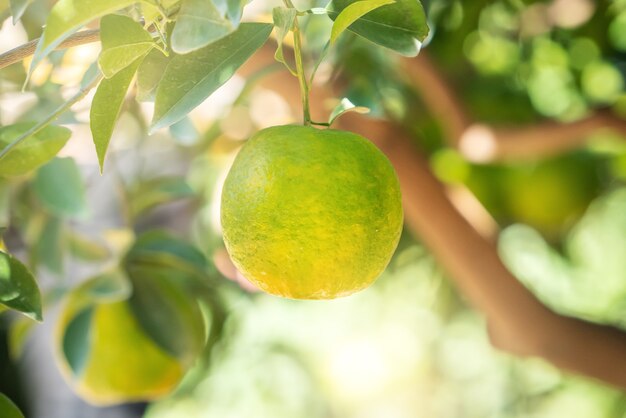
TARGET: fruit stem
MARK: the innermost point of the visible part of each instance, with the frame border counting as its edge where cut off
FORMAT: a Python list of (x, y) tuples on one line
[(304, 86)]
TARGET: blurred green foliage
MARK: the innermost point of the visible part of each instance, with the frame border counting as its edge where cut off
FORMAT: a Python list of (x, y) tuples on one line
[(409, 346)]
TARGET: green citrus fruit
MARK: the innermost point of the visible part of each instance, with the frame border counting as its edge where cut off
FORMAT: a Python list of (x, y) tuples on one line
[(311, 214)]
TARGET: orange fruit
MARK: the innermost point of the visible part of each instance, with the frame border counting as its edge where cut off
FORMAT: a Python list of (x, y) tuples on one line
[(309, 213)]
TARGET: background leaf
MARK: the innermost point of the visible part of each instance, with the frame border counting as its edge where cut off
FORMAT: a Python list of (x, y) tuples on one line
[(5, 206), (283, 19), (50, 245), (18, 7), (76, 341), (353, 12), (161, 248), (18, 288), (60, 188), (66, 17), (344, 106), (199, 23), (33, 151), (106, 107), (167, 312), (149, 74), (8, 409), (232, 9), (18, 335), (189, 79), (148, 194), (123, 42), (85, 247), (400, 26)]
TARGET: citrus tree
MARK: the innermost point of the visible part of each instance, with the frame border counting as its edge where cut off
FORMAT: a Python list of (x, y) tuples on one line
[(308, 212), (129, 225)]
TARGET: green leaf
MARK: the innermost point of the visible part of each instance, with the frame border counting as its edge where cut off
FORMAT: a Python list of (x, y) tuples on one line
[(18, 335), (343, 107), (400, 26), (76, 340), (60, 188), (189, 79), (123, 42), (106, 107), (8, 409), (167, 312), (232, 9), (5, 206), (33, 151), (50, 246), (66, 17), (150, 11), (283, 19), (18, 288), (352, 13), (149, 74), (184, 132), (149, 194), (172, 252), (18, 7), (108, 287), (86, 248), (199, 23)]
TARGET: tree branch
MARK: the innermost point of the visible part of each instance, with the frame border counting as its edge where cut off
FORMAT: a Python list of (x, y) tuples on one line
[(483, 143), (518, 322), (18, 54)]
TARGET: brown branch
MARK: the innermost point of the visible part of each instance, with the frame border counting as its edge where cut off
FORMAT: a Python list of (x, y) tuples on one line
[(22, 52), (518, 322), (483, 143)]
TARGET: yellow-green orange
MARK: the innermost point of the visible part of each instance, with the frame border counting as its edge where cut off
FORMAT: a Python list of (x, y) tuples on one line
[(311, 214)]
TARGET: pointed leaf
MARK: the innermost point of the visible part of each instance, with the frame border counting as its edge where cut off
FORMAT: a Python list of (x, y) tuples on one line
[(18, 7), (86, 248), (76, 341), (283, 19), (66, 17), (149, 194), (33, 151), (345, 106), (123, 42), (50, 246), (199, 23), (106, 107), (400, 26), (352, 13), (171, 251), (150, 11), (8, 409), (189, 79), (112, 286), (60, 188), (167, 312), (19, 332), (5, 206), (18, 288), (149, 74), (232, 9)]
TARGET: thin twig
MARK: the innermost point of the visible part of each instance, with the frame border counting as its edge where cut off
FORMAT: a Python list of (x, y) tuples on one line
[(54, 115), (28, 49)]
